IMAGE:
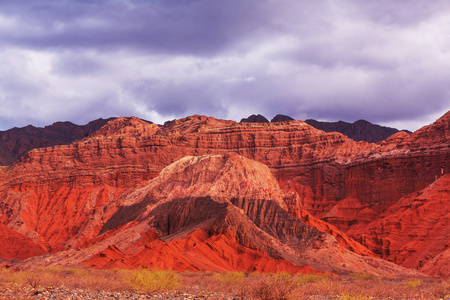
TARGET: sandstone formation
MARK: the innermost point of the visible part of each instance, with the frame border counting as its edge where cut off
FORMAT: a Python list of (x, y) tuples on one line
[(197, 252), (14, 245), (214, 213), (416, 230), (93, 184)]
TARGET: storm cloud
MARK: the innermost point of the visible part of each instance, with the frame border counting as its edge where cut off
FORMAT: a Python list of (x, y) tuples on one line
[(384, 61)]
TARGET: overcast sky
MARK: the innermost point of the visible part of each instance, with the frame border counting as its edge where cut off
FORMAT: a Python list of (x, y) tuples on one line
[(386, 61)]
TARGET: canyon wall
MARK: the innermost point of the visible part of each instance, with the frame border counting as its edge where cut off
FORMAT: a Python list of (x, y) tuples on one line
[(60, 197)]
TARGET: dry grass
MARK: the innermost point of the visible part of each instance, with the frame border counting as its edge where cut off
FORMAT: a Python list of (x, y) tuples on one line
[(152, 281), (414, 283), (233, 278), (240, 285), (70, 277)]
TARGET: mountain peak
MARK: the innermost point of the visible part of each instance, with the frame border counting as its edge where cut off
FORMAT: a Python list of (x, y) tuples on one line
[(435, 133), (224, 176), (445, 117), (195, 123), (281, 118), (360, 130), (198, 199), (130, 126), (255, 119)]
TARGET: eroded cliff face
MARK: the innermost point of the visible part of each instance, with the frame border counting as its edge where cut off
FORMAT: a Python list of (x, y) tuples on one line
[(346, 183), (282, 145), (14, 245), (129, 151), (214, 212), (416, 230)]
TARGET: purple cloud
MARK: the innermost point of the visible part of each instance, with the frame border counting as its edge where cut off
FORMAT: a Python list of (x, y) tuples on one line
[(384, 61)]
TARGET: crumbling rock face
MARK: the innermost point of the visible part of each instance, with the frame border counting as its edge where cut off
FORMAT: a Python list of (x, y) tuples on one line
[(416, 230), (14, 245), (197, 252)]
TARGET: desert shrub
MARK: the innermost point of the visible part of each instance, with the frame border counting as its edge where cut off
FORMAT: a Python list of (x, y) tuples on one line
[(18, 277), (445, 289), (278, 287), (73, 272), (155, 280), (352, 296), (301, 279), (364, 276), (230, 277), (413, 283), (4, 274), (441, 290), (241, 285), (283, 275), (33, 280)]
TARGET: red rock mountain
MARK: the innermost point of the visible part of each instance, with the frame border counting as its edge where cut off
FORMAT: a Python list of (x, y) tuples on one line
[(415, 230), (95, 194), (211, 212)]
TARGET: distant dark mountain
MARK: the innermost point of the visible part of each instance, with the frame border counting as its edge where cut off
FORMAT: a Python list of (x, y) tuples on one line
[(361, 130), (255, 119), (15, 142), (281, 118)]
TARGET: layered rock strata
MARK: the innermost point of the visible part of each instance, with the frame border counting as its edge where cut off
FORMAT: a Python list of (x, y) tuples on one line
[(349, 184), (214, 213)]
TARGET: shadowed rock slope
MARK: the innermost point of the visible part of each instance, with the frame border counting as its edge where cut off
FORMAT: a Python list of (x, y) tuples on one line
[(415, 232)]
